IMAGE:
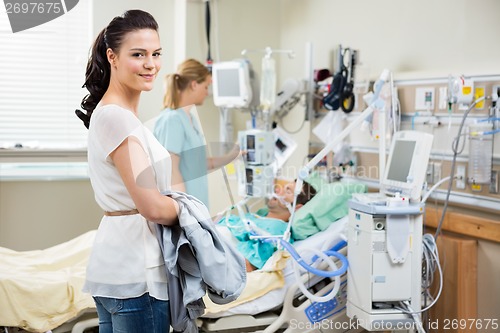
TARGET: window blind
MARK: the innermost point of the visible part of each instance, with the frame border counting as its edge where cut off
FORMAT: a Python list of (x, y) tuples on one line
[(42, 70)]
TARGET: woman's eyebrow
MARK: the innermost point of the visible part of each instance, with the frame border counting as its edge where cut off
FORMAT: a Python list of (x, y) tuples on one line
[(143, 50)]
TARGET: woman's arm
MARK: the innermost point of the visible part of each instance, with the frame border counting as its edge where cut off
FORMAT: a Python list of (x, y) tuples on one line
[(220, 161), (133, 165)]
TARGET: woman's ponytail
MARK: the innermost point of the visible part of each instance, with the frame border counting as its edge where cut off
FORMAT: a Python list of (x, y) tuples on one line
[(174, 84), (96, 78)]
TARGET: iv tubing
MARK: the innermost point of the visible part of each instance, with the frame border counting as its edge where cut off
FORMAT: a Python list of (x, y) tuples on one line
[(484, 132), (489, 119)]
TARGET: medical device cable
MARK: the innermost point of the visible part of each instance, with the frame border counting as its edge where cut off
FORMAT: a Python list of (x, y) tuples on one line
[(433, 188), (416, 318), (215, 10), (430, 246), (454, 147), (300, 127), (430, 253), (209, 60)]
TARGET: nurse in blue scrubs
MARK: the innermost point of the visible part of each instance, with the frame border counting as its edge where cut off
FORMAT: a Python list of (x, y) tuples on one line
[(181, 134)]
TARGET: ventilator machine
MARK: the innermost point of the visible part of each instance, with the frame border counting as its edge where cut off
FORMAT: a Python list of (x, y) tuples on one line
[(385, 240)]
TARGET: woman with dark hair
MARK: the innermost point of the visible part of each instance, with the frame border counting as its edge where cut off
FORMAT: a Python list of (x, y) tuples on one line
[(128, 169)]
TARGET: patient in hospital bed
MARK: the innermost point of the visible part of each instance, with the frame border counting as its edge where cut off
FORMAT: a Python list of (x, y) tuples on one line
[(329, 206), (272, 222), (318, 223)]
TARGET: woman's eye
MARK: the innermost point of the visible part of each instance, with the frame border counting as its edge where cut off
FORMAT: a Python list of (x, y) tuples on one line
[(136, 54), (157, 54)]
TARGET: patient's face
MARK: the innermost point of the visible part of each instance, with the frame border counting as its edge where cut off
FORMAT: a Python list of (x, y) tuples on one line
[(285, 191)]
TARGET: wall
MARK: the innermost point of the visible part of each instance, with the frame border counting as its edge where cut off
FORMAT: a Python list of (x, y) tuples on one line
[(39, 214), (411, 38)]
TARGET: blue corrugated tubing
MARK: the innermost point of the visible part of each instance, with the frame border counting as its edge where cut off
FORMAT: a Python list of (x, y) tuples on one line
[(316, 271)]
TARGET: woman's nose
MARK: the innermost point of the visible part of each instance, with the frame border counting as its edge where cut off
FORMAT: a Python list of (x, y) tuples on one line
[(149, 63)]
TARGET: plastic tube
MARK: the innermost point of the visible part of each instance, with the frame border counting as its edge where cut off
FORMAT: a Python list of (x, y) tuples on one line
[(302, 287), (314, 270), (426, 196), (337, 247)]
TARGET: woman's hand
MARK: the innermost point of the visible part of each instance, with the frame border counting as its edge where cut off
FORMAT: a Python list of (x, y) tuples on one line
[(220, 161)]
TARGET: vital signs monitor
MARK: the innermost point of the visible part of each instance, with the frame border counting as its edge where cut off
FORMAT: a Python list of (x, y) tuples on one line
[(231, 84), (407, 164)]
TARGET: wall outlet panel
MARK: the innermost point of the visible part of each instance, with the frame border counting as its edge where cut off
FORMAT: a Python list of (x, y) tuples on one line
[(424, 98), (436, 172), (460, 181), (478, 93), (494, 182), (443, 98)]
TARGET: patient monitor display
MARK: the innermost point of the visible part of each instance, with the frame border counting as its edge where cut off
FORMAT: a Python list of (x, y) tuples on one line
[(231, 84), (407, 164), (403, 153)]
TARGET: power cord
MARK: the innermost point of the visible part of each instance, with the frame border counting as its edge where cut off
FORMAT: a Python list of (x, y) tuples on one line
[(456, 152)]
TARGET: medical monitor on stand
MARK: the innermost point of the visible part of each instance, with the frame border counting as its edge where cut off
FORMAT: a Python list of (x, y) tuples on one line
[(231, 84), (407, 164)]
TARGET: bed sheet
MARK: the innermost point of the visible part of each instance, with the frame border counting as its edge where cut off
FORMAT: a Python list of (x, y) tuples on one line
[(258, 296), (41, 290)]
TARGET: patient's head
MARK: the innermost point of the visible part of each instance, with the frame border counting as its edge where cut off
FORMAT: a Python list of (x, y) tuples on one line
[(279, 207)]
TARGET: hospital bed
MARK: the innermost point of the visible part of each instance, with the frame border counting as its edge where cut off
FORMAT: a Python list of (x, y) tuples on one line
[(40, 291), (322, 224), (284, 306)]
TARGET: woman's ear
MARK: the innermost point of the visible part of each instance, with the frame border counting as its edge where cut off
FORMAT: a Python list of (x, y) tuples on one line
[(111, 57), (297, 206)]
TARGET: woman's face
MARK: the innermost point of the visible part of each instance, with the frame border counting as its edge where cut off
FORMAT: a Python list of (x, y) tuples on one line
[(200, 90), (138, 61)]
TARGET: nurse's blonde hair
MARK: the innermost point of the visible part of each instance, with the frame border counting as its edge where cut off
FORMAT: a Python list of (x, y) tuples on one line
[(188, 71)]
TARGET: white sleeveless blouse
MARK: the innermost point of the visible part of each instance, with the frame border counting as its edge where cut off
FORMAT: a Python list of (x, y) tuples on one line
[(126, 259)]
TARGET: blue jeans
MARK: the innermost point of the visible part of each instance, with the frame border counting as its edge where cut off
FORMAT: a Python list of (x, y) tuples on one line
[(133, 315)]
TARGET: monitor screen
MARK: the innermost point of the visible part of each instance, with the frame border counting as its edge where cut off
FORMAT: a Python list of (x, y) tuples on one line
[(407, 164), (231, 84), (251, 142), (228, 82), (402, 156), (249, 175), (281, 145)]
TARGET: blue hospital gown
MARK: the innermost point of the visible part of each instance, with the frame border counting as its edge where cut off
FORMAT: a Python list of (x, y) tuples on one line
[(256, 251)]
